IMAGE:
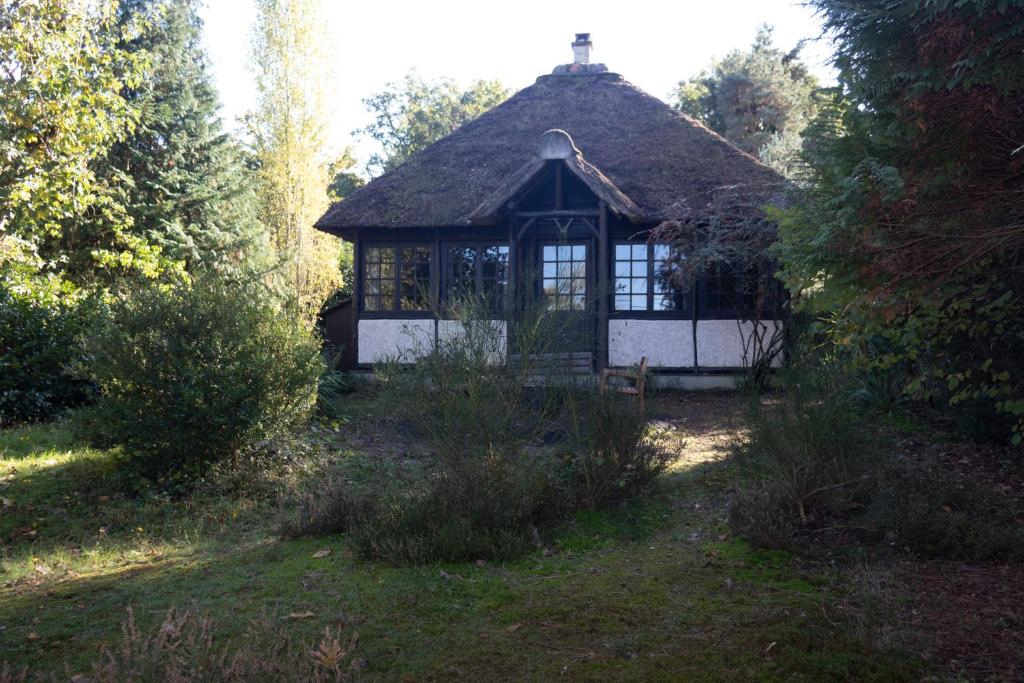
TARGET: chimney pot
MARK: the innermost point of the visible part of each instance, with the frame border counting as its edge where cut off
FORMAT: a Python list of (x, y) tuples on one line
[(581, 48)]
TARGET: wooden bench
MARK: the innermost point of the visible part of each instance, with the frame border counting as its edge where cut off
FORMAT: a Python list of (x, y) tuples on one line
[(638, 375)]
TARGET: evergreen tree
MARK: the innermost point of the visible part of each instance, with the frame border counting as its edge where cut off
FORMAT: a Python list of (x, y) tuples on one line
[(910, 233), (759, 99), (187, 185)]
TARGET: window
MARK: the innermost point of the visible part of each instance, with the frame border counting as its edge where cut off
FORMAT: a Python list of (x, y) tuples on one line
[(415, 278), (477, 270), (643, 279), (565, 276), (379, 279), (396, 278), (718, 291)]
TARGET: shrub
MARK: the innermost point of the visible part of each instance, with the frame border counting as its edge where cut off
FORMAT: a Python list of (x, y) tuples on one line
[(39, 339), (763, 515), (809, 456), (936, 516), (614, 455), (811, 444), (195, 374), (463, 508), (495, 430)]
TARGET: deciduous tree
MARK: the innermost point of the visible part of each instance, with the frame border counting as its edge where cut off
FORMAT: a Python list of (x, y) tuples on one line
[(289, 127), (410, 115), (63, 70)]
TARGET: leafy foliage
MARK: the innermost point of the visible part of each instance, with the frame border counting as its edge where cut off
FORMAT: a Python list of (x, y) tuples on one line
[(759, 99), (63, 67), (39, 341), (288, 128), (909, 233), (195, 374), (411, 115)]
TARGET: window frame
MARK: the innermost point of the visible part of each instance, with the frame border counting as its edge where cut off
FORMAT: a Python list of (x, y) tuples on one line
[(479, 246), (395, 310), (686, 297)]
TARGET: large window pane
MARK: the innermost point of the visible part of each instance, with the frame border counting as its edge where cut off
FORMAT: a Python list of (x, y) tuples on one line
[(415, 279), (644, 279), (494, 275), (378, 281), (478, 270), (567, 289), (719, 291), (631, 277)]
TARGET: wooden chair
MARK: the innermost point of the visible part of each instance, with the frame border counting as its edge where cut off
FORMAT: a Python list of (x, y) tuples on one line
[(638, 375)]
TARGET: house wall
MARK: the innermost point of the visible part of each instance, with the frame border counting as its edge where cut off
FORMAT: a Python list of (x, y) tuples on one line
[(408, 339), (381, 339), (494, 339), (669, 343), (720, 343), (666, 343)]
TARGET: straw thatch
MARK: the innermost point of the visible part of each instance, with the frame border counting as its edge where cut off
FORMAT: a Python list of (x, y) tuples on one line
[(655, 163)]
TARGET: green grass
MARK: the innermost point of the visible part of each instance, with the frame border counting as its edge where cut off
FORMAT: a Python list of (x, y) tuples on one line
[(654, 590)]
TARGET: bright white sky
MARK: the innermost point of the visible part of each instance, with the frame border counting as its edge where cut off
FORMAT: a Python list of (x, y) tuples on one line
[(653, 44)]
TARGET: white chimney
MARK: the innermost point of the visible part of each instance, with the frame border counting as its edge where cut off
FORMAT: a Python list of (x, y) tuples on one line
[(581, 49)]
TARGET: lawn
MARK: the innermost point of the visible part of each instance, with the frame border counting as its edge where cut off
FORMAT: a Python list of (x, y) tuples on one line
[(658, 589)]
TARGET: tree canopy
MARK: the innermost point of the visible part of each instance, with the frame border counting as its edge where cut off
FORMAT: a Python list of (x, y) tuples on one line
[(410, 115), (289, 130), (758, 99), (910, 232), (184, 182), (63, 67)]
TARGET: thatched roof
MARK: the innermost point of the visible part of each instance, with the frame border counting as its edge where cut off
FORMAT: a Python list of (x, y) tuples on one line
[(648, 161)]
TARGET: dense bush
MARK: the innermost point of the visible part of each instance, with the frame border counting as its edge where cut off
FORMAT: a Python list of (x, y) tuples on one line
[(193, 374), (809, 449), (509, 452), (460, 509), (614, 455), (936, 516), (40, 338), (817, 461)]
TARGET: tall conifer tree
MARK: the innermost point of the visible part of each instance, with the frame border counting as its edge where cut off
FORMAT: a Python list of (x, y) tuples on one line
[(188, 185)]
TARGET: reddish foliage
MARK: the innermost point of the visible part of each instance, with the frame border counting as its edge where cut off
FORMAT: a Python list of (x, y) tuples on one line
[(963, 199)]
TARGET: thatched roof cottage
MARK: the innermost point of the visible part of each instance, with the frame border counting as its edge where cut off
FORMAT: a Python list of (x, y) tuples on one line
[(555, 192)]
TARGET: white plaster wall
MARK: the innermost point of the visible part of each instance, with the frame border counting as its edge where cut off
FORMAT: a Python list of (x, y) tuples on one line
[(405, 339), (720, 343), (666, 343), (450, 330)]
